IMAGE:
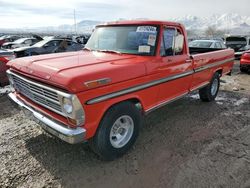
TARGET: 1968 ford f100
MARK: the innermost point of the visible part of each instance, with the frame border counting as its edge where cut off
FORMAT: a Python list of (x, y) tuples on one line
[(126, 70)]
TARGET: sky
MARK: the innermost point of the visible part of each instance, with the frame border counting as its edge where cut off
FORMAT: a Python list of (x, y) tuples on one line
[(39, 13)]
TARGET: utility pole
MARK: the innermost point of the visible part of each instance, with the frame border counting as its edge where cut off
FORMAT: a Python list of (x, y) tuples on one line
[(75, 21)]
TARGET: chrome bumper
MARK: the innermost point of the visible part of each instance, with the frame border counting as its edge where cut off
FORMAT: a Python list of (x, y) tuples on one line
[(66, 134)]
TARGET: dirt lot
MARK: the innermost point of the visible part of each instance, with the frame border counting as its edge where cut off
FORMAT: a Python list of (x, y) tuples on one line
[(185, 144)]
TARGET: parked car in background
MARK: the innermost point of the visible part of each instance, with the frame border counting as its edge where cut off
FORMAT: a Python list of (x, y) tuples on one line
[(127, 70), (22, 42), (8, 38), (47, 47), (240, 44), (5, 56), (245, 62), (82, 39), (19, 43), (217, 44)]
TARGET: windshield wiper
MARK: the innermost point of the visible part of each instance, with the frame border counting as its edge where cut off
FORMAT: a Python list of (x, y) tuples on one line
[(109, 51)]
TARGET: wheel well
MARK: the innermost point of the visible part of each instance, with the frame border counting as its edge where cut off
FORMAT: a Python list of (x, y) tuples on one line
[(135, 101), (220, 72)]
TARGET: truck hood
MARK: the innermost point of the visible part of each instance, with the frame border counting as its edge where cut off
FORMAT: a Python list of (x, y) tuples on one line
[(72, 70)]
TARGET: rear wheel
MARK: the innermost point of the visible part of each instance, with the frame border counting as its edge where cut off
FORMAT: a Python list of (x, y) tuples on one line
[(117, 131), (210, 92), (243, 69)]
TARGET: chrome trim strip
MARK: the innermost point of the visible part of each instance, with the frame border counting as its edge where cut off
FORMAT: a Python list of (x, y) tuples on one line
[(199, 86), (199, 69), (138, 87), (165, 103), (153, 83), (66, 134)]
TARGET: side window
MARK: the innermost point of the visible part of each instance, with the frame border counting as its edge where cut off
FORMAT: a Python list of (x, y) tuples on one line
[(69, 43), (28, 41), (168, 41), (172, 43)]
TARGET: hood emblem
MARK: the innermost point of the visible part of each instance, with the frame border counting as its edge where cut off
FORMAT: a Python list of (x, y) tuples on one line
[(97, 83)]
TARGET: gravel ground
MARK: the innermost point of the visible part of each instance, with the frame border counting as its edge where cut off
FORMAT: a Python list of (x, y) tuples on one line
[(185, 144)]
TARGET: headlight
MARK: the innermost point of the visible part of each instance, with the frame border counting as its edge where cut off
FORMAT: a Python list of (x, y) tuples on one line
[(73, 109), (67, 106)]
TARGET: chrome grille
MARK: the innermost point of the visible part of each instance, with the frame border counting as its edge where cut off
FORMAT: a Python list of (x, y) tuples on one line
[(37, 93)]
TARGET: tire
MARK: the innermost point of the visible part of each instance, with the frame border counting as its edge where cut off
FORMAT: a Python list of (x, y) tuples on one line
[(209, 93), (111, 140), (244, 70)]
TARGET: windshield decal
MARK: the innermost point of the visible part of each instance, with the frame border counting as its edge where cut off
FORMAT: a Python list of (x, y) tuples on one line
[(151, 40), (148, 29), (144, 49)]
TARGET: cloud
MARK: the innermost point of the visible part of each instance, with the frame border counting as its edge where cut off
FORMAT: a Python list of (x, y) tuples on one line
[(31, 13)]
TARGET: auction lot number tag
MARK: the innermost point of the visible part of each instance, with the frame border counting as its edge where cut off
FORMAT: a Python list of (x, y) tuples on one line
[(147, 29)]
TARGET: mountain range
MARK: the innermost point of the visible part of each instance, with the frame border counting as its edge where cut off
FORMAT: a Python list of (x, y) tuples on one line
[(231, 23)]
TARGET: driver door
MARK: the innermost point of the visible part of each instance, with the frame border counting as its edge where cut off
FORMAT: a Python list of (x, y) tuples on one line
[(175, 65)]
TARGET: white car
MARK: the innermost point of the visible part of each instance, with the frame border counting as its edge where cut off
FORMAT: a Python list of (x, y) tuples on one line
[(216, 44), (22, 42)]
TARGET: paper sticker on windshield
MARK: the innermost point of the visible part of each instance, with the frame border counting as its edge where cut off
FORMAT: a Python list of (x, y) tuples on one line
[(151, 40), (144, 49), (148, 29)]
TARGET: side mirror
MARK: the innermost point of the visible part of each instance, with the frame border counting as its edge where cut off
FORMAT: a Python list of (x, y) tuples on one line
[(179, 43), (46, 46)]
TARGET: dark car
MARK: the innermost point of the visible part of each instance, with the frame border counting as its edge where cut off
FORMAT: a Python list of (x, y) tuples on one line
[(8, 38), (240, 44), (5, 56), (83, 39), (47, 47)]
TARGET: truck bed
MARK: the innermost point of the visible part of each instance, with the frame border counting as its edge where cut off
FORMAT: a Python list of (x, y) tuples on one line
[(194, 50), (206, 61)]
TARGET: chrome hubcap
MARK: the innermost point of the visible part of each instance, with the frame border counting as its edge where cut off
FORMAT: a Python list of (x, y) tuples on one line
[(214, 86), (121, 131)]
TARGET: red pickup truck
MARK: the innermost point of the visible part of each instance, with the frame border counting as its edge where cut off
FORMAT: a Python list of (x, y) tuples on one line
[(245, 62), (5, 56), (126, 70)]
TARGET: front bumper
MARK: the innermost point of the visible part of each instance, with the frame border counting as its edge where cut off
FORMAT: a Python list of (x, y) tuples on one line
[(57, 129)]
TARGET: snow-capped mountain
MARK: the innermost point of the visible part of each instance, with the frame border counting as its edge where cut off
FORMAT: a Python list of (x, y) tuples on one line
[(230, 21), (233, 23)]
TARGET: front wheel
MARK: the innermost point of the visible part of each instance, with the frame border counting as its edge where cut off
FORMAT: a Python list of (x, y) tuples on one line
[(117, 131), (210, 92)]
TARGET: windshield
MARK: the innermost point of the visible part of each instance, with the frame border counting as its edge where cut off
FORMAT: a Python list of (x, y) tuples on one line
[(139, 40), (200, 44), (41, 43)]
